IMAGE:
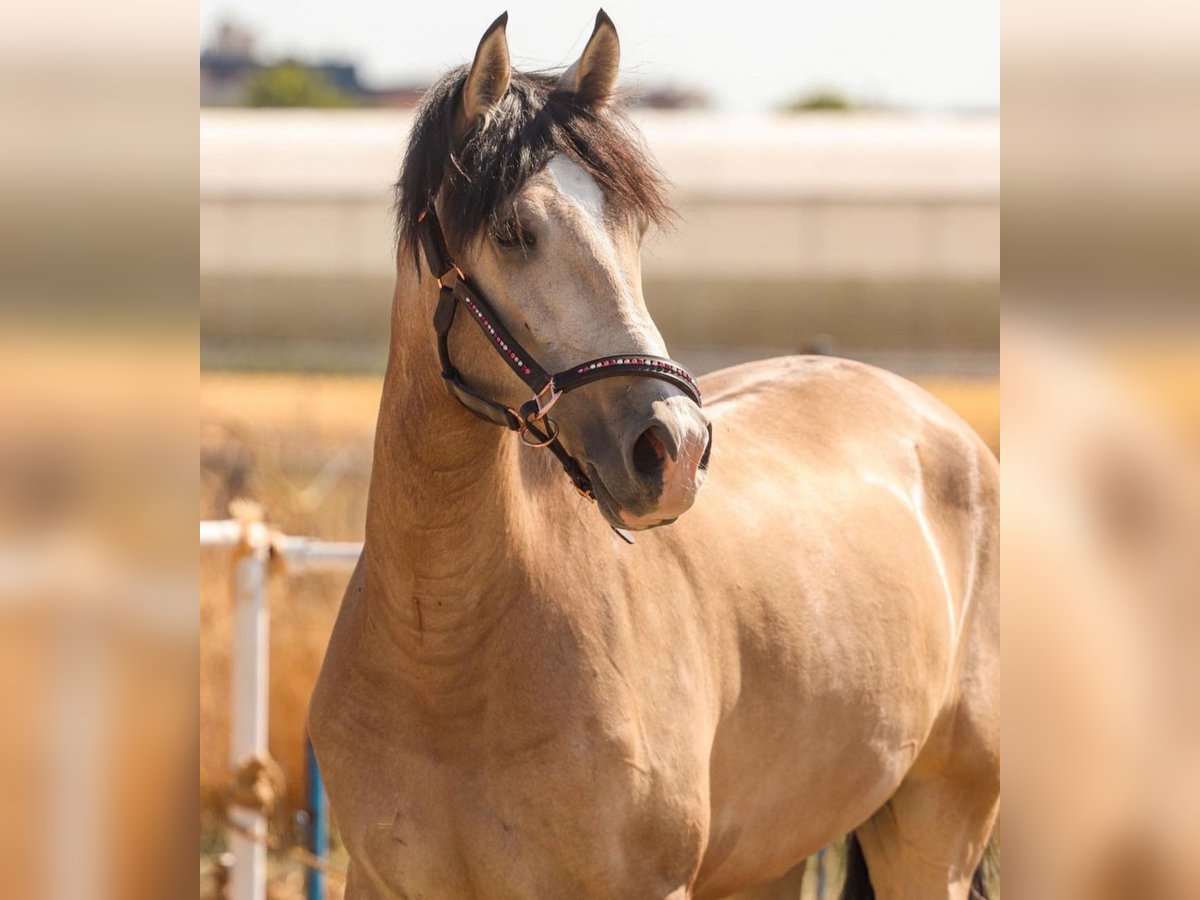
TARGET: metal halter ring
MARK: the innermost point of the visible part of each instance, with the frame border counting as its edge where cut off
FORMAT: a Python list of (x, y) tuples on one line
[(552, 434), (535, 409)]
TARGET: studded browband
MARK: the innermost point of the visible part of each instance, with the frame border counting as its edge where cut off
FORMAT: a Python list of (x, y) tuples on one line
[(531, 422)]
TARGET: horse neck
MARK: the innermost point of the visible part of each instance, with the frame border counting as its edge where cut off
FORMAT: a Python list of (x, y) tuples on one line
[(444, 487)]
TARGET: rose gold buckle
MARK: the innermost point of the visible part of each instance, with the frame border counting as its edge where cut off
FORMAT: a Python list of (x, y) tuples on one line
[(543, 403), (441, 279)]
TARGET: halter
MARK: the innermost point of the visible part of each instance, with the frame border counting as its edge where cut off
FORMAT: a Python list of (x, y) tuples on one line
[(531, 421)]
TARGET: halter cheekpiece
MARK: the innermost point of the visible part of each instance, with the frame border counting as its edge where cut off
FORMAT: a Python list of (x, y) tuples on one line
[(531, 421)]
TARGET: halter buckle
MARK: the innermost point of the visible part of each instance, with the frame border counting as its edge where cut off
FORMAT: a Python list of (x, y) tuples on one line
[(546, 398), (534, 411), (441, 279)]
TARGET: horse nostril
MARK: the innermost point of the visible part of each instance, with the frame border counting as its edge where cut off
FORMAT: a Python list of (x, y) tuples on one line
[(649, 452)]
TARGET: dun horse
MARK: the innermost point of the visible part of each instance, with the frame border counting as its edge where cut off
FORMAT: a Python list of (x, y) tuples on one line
[(524, 699)]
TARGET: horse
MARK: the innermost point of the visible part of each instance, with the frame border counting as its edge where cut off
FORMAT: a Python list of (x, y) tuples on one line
[(737, 632)]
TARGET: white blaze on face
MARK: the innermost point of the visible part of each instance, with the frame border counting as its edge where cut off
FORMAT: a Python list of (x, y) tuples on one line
[(585, 201), (577, 185)]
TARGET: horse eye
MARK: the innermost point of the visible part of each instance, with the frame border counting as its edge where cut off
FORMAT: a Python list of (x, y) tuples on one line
[(510, 236)]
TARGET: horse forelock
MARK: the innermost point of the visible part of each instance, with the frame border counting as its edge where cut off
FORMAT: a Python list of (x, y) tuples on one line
[(475, 176)]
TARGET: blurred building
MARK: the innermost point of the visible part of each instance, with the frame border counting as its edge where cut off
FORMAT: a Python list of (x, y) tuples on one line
[(666, 96), (229, 65), (402, 97), (226, 66)]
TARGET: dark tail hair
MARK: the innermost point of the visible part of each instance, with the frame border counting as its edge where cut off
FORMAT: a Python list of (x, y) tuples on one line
[(987, 873), (858, 879)]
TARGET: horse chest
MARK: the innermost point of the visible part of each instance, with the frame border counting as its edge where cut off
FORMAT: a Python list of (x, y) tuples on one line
[(584, 812), (550, 765)]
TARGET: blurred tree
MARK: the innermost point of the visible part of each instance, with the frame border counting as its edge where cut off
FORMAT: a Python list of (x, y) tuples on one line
[(823, 100), (294, 84)]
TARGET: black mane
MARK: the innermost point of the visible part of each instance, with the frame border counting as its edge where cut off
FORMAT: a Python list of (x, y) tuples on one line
[(532, 123)]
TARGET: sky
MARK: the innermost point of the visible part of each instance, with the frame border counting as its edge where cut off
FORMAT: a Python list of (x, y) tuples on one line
[(923, 54)]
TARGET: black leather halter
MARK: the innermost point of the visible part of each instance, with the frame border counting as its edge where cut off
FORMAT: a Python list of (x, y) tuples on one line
[(531, 421)]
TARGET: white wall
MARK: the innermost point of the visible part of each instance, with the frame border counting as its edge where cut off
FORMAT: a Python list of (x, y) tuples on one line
[(826, 197)]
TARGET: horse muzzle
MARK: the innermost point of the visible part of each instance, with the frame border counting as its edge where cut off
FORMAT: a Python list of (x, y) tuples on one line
[(650, 472)]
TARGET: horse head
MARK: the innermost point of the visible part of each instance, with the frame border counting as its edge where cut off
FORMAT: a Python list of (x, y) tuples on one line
[(545, 193)]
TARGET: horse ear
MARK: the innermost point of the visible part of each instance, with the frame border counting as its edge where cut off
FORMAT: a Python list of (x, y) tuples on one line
[(593, 77), (489, 77)]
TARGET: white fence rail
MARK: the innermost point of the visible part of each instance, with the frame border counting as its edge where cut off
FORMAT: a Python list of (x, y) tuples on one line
[(255, 547)]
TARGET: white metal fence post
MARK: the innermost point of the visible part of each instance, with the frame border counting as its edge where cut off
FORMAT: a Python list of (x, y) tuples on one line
[(250, 666), (250, 658)]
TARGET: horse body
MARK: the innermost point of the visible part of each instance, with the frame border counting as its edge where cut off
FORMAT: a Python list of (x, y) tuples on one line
[(516, 703), (699, 711)]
